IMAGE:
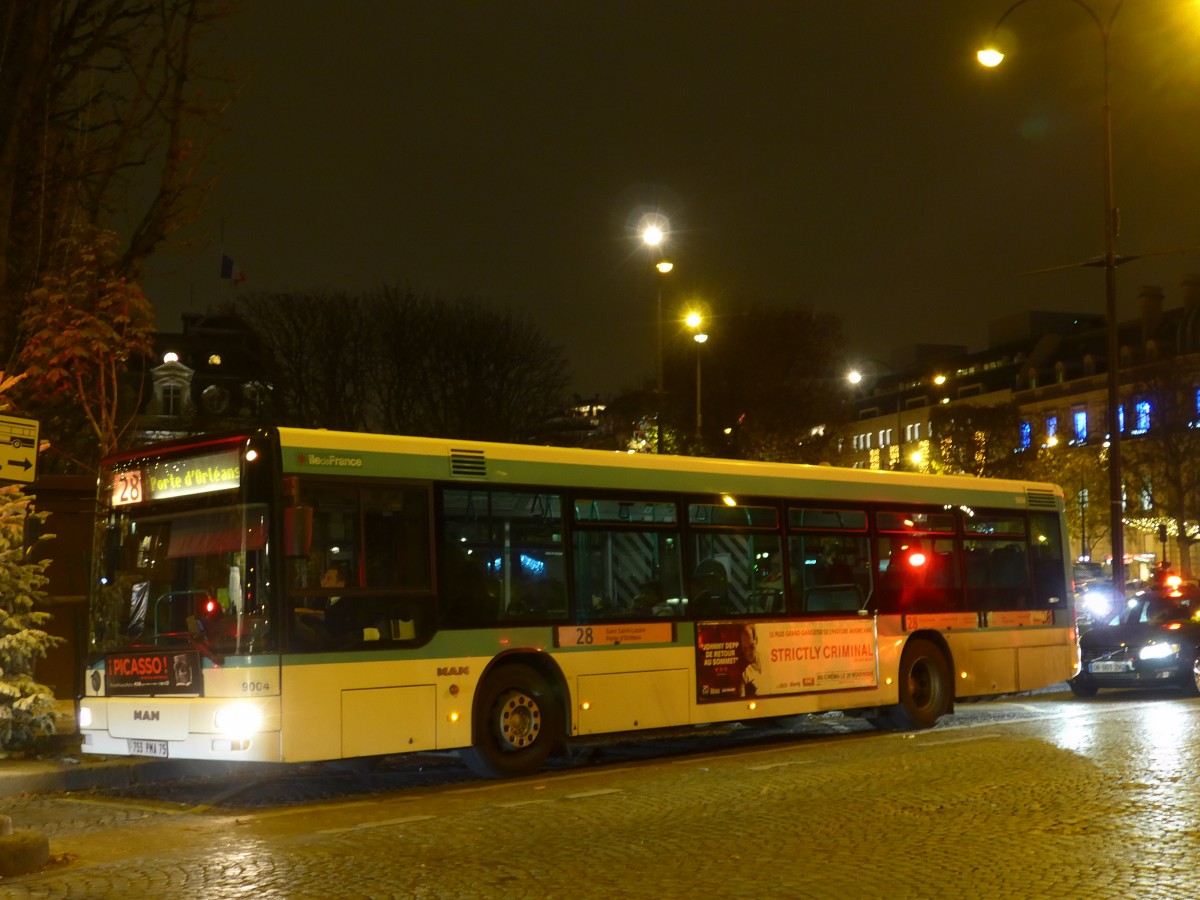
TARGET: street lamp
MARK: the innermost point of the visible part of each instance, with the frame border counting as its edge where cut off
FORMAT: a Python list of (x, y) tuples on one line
[(992, 57), (653, 235), (694, 320)]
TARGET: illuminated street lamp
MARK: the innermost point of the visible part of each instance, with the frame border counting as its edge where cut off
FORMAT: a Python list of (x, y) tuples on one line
[(992, 57), (694, 320), (654, 234)]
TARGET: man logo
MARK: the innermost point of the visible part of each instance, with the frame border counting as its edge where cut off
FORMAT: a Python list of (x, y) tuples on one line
[(145, 715), (453, 670)]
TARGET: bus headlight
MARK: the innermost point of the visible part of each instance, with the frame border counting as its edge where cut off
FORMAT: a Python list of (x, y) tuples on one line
[(1158, 651), (85, 717), (238, 720)]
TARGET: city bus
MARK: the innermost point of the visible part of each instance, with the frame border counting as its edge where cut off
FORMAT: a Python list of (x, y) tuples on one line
[(295, 595)]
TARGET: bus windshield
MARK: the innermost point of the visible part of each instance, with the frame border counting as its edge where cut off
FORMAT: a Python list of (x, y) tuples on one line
[(192, 577)]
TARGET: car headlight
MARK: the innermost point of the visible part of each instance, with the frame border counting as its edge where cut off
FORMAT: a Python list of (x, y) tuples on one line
[(1158, 651), (1096, 603)]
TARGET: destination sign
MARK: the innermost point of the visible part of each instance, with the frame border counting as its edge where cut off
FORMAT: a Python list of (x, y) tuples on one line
[(170, 478)]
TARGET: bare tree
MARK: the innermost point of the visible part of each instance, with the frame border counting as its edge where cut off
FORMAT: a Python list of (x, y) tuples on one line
[(322, 349), (106, 114), (398, 361), (765, 376)]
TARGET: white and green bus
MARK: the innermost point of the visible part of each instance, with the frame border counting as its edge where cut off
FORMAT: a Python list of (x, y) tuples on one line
[(292, 595)]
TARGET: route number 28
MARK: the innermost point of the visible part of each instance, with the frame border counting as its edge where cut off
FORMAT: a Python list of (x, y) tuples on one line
[(126, 488)]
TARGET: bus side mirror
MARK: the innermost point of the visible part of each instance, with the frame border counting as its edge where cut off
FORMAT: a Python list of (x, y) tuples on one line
[(297, 530)]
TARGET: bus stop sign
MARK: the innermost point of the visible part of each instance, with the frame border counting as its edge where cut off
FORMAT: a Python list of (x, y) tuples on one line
[(18, 449)]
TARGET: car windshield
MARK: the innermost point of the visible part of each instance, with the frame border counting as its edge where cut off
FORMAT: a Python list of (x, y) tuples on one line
[(1152, 609), (192, 578)]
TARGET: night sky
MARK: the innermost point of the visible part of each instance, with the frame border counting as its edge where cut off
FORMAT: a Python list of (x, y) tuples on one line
[(848, 155)]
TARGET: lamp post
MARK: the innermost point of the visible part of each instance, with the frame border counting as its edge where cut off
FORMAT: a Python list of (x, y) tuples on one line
[(654, 233), (653, 236), (694, 320), (992, 57)]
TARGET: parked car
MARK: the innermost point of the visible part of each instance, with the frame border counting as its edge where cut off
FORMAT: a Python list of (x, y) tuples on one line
[(1153, 641)]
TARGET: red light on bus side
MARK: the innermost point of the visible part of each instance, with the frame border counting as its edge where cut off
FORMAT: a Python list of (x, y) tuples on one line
[(916, 559)]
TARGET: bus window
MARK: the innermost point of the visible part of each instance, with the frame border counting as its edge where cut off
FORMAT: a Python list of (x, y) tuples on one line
[(335, 536), (830, 572), (626, 559), (367, 575), (1049, 578), (627, 574), (829, 559), (502, 557), (916, 564), (737, 561), (996, 562), (396, 538)]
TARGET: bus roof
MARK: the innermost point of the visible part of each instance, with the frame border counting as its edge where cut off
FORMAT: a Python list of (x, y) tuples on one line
[(375, 455)]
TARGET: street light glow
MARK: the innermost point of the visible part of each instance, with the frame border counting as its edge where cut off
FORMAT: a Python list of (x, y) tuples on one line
[(990, 57), (665, 266), (652, 235), (854, 376), (693, 319)]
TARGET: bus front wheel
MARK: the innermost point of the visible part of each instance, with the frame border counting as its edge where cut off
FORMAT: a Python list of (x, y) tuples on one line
[(516, 724), (924, 678)]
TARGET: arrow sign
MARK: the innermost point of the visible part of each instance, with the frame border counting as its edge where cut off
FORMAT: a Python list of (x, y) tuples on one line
[(20, 435)]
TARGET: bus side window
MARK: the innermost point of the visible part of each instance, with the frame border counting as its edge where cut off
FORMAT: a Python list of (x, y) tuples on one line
[(502, 557), (1049, 566), (396, 538)]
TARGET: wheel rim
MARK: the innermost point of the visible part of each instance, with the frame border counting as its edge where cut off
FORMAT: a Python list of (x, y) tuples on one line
[(520, 720)]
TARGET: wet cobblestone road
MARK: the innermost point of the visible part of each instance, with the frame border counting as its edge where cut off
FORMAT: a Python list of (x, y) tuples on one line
[(1032, 797)]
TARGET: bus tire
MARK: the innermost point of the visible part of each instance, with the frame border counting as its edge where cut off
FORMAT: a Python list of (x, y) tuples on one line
[(925, 687), (516, 724), (1079, 689)]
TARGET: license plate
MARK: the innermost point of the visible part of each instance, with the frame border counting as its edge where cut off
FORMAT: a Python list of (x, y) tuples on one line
[(147, 748), (1109, 667)]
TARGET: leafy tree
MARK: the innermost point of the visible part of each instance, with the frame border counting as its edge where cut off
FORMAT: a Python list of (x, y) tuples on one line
[(84, 326), (107, 111), (26, 707), (974, 439), (1082, 472), (1163, 463)]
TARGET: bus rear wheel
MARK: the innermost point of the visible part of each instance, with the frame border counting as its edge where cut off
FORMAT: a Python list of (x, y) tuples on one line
[(516, 724), (924, 688)]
